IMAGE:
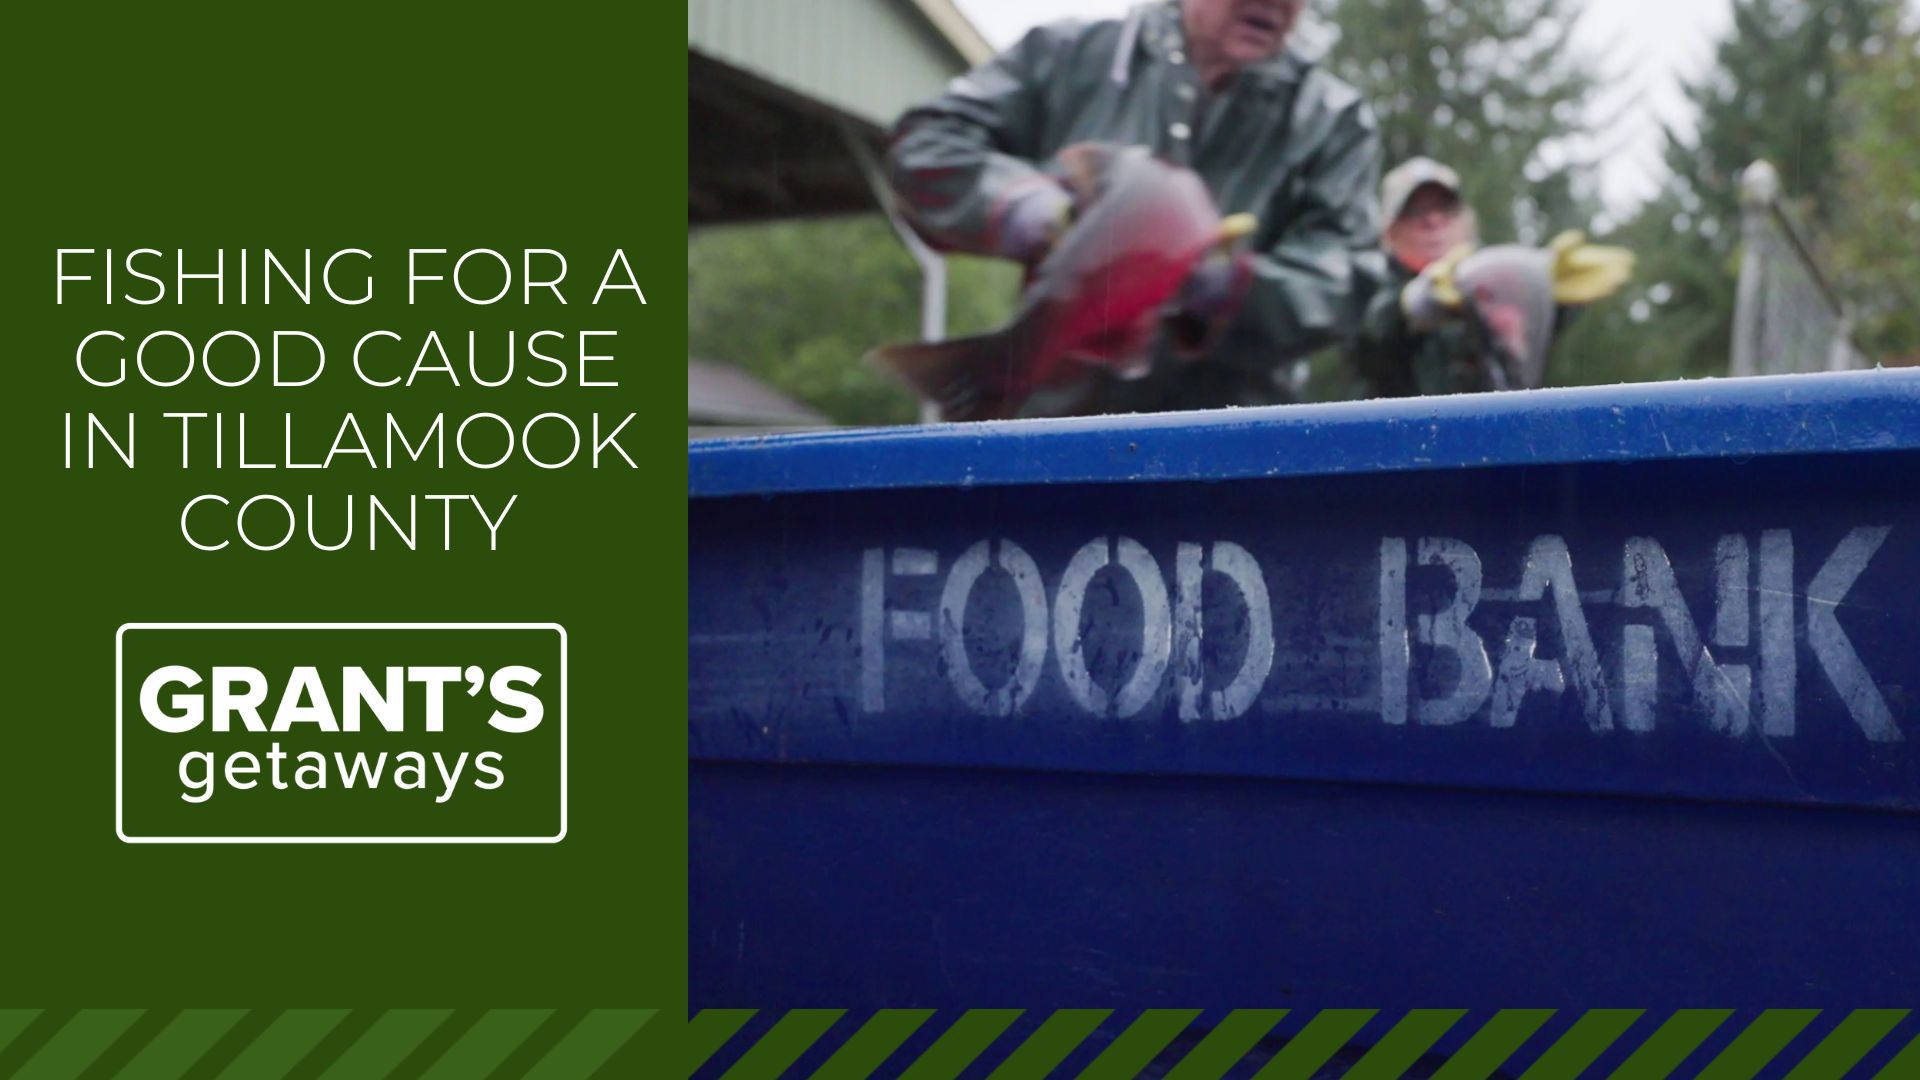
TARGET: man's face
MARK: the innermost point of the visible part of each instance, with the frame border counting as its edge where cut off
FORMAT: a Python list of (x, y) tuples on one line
[(1237, 33), (1429, 226)]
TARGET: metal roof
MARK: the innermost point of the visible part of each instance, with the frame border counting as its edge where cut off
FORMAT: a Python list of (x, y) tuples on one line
[(775, 89), (869, 59), (720, 395)]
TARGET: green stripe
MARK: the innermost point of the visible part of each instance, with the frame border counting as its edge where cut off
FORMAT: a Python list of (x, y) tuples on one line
[(1065, 1030), (967, 1039), (1137, 1046), (1663, 1052), (1413, 1036), (1493, 1044), (113, 1060), (1226, 1044), (1905, 1064), (1583, 1044), (783, 1045), (708, 1031), (1763, 1040), (386, 1044), (284, 1043), (873, 1044), (78, 1044), (1317, 1042), (1847, 1043), (13, 1022), (487, 1043), (598, 1036), (185, 1040)]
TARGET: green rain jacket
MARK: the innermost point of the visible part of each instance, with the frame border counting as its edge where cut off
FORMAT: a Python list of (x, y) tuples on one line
[(1283, 140), (1391, 359), (1394, 360)]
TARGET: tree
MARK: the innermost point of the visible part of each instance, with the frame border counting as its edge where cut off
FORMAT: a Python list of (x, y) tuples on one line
[(1774, 92), (1877, 216), (798, 303), (1492, 88)]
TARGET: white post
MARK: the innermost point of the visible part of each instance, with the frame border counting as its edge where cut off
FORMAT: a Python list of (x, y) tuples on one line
[(933, 266), (1759, 188)]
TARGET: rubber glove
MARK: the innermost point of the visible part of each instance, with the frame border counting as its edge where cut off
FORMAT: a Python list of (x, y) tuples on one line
[(1032, 220), (1432, 298), (1214, 287), (1583, 272)]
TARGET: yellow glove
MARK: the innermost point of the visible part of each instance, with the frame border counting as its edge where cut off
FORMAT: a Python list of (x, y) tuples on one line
[(1428, 300), (1583, 272), (1236, 227)]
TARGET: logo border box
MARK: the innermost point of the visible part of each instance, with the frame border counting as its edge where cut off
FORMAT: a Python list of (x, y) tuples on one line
[(119, 728)]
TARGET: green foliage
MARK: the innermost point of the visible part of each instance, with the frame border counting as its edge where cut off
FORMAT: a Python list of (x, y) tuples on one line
[(1775, 92), (797, 304), (1490, 87), (1875, 241)]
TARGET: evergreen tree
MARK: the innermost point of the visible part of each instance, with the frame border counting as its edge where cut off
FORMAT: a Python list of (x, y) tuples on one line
[(1875, 242), (797, 303), (1493, 88), (1774, 93)]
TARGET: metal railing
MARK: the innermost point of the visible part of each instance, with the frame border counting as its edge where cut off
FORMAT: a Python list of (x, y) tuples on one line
[(1788, 315)]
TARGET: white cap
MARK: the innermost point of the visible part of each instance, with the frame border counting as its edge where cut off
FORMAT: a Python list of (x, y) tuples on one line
[(1410, 176)]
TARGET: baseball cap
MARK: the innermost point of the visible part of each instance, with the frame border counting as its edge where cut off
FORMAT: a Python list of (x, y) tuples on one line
[(1410, 176)]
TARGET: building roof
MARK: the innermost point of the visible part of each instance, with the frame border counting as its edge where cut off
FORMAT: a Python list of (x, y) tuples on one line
[(775, 89), (720, 395)]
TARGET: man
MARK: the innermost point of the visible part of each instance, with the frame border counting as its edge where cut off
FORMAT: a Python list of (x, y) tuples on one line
[(1207, 84), (1453, 319), (1409, 342)]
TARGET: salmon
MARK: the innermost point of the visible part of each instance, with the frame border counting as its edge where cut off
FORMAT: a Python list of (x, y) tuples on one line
[(1095, 301)]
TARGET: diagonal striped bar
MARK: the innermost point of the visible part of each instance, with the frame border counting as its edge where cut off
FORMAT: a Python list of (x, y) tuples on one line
[(708, 1031), (1753, 1048), (783, 1044), (13, 1022), (873, 1044), (1667, 1047), (966, 1040), (598, 1036), (487, 1043), (78, 1044), (386, 1044), (1400, 1047), (1493, 1044), (1137, 1046), (183, 1042), (1226, 1044), (1904, 1064), (285, 1041), (1062, 1032), (1583, 1043), (1847, 1043), (1319, 1040)]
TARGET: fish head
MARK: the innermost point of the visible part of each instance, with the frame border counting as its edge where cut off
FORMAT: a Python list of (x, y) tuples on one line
[(1141, 225), (1510, 289)]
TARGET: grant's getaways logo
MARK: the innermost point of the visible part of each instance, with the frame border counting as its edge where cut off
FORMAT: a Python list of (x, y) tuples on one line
[(341, 733)]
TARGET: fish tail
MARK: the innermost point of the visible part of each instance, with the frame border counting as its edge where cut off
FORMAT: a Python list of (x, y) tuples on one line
[(966, 376)]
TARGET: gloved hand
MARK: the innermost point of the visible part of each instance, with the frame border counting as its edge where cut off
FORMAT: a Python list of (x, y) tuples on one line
[(1032, 220), (1432, 298), (1214, 287), (1583, 272)]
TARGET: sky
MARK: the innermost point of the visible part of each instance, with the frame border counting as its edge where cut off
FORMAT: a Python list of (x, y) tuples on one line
[(1649, 47)]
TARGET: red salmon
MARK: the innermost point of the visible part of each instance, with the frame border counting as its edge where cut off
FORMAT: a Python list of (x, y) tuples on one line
[(1095, 300)]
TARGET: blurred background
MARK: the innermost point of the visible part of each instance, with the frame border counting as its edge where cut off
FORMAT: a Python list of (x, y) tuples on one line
[(1641, 120)]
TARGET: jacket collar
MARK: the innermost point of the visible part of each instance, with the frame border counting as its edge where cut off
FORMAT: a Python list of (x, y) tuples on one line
[(1161, 35)]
